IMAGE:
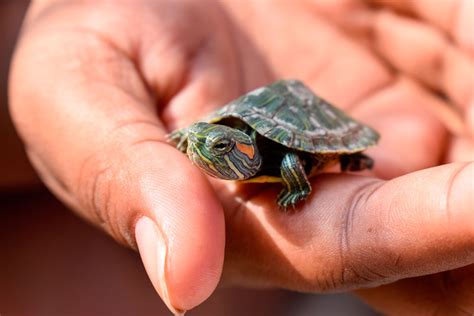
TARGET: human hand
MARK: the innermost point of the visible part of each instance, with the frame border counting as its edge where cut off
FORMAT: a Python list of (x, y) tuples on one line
[(95, 87), (93, 108), (388, 70)]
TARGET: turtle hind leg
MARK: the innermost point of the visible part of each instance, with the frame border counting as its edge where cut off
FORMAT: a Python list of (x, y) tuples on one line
[(179, 138), (356, 162), (296, 186)]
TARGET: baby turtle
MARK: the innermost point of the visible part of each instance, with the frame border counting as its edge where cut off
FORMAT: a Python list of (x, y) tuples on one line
[(278, 133)]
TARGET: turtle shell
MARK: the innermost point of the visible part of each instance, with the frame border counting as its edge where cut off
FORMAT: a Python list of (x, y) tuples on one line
[(289, 113)]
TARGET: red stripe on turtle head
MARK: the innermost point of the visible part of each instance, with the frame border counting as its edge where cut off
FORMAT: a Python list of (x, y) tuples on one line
[(247, 150)]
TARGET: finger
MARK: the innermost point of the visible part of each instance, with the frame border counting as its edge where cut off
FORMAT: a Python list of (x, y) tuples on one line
[(445, 293), (456, 17), (91, 128), (356, 232), (415, 47), (314, 51), (216, 60), (460, 149), (413, 134), (424, 53)]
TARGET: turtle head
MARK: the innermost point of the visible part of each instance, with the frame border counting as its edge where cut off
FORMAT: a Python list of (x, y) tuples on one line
[(223, 152)]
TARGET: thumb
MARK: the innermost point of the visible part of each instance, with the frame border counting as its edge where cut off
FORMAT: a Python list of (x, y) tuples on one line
[(180, 234), (93, 135)]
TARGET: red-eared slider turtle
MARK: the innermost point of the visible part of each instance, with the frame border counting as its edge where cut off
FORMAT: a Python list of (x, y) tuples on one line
[(278, 133)]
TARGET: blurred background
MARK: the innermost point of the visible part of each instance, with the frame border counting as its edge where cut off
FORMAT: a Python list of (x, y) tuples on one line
[(52, 263)]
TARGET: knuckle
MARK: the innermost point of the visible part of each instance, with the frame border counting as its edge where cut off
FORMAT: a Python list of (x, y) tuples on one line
[(103, 193), (94, 188), (458, 199), (106, 186), (361, 265), (98, 189)]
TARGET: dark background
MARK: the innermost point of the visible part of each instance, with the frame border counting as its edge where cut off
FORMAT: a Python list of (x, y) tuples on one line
[(14, 169), (52, 263)]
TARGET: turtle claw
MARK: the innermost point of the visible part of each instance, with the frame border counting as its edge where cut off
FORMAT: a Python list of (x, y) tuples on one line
[(288, 199), (356, 162), (179, 138)]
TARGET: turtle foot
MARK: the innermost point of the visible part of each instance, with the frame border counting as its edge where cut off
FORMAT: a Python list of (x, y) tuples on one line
[(288, 199), (179, 138), (356, 162)]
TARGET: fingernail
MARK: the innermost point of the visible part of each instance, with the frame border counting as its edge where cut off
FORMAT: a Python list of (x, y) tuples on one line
[(153, 251)]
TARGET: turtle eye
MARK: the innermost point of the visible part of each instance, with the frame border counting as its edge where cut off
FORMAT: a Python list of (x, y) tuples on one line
[(222, 146)]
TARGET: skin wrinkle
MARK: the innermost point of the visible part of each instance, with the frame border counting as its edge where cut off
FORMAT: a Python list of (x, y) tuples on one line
[(127, 123), (98, 199), (449, 188), (104, 203), (190, 77), (89, 190), (94, 37), (115, 86), (395, 207), (173, 47), (331, 281), (192, 58), (397, 260), (145, 99), (134, 128), (359, 197), (125, 230), (149, 140), (86, 189)]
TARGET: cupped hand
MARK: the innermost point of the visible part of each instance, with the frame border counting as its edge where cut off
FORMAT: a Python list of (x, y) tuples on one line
[(412, 78), (96, 85)]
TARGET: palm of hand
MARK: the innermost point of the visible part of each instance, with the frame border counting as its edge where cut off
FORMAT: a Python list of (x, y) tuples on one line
[(413, 138), (400, 108), (353, 231)]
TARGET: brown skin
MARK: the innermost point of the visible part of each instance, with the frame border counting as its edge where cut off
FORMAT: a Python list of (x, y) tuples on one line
[(94, 97)]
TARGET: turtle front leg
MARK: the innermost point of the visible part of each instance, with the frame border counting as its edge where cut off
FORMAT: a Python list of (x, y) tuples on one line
[(356, 162), (296, 186), (179, 138)]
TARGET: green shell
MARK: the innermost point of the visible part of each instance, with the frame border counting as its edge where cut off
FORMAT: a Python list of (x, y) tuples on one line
[(289, 113)]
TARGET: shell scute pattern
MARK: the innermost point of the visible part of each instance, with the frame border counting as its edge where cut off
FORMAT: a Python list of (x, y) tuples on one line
[(288, 112)]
